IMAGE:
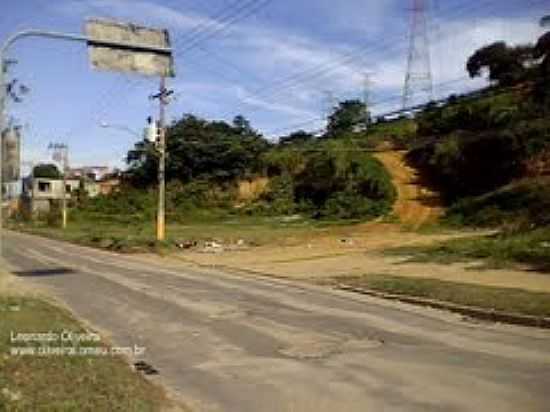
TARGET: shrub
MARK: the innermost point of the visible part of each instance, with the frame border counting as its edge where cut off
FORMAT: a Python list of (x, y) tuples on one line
[(344, 183), (520, 205), (349, 204)]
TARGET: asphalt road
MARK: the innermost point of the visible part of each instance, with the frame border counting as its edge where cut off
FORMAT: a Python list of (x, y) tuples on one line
[(237, 343)]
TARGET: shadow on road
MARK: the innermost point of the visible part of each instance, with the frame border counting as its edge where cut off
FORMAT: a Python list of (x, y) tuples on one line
[(45, 272)]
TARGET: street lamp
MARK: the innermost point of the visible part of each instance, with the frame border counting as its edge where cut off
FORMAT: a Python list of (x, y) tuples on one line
[(126, 129)]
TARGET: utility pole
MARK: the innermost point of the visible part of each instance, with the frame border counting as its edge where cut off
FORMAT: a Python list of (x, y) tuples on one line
[(418, 79), (61, 154), (162, 96)]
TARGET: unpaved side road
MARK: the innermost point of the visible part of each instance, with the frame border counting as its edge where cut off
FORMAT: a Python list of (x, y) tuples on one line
[(416, 204), (230, 343)]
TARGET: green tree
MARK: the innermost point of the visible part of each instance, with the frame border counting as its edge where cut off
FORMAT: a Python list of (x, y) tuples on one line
[(299, 137), (505, 65), (349, 116), (542, 83), (201, 149), (47, 171)]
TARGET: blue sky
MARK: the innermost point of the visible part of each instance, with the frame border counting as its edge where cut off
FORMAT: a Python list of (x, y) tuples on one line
[(277, 66)]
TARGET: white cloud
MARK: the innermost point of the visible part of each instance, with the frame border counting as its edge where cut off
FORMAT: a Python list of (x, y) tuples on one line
[(243, 96), (273, 53)]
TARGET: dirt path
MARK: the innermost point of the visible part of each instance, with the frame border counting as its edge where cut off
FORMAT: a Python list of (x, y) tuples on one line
[(416, 204)]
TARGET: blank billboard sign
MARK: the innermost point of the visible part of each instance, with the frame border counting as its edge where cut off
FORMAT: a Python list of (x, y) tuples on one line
[(142, 50), (11, 155)]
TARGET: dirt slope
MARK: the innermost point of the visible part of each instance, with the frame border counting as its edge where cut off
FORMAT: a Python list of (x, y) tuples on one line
[(416, 204)]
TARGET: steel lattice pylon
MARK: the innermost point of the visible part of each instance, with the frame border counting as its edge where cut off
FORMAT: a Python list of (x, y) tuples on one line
[(418, 79)]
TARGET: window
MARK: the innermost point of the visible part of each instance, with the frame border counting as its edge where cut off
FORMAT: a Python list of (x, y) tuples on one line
[(44, 186)]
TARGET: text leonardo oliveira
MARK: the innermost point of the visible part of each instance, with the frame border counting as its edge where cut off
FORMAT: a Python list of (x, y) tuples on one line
[(67, 343)]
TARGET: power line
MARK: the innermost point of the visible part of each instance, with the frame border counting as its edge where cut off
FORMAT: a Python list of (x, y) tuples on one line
[(193, 35), (305, 76), (390, 99)]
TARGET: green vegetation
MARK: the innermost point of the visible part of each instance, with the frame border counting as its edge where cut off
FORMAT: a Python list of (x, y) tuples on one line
[(327, 177), (335, 180), (501, 250), (200, 150), (518, 210), (485, 153), (131, 233), (399, 132), (63, 382), (489, 157), (477, 146), (486, 297), (519, 205), (348, 116), (48, 171)]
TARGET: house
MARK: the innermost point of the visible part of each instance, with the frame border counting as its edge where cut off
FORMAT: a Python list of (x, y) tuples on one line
[(109, 184), (95, 173), (40, 193)]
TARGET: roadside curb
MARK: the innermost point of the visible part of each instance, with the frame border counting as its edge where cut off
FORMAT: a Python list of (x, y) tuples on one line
[(472, 312)]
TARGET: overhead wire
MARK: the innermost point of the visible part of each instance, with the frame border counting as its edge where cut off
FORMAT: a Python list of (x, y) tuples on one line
[(303, 77), (226, 20)]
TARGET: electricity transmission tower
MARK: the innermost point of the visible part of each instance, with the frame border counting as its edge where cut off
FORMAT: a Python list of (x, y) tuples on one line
[(418, 79)]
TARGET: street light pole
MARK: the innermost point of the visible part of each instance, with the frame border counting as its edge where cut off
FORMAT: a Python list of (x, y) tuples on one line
[(163, 96)]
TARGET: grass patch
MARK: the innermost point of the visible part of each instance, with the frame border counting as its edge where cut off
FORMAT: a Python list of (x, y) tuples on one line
[(64, 383), (486, 297), (531, 248), (119, 235)]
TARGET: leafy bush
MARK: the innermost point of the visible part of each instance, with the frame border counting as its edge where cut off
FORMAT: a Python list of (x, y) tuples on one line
[(53, 216), (198, 194), (520, 205), (331, 179), (349, 204), (125, 205), (344, 183), (280, 195)]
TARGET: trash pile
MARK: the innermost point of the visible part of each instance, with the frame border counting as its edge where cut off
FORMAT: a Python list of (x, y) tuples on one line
[(212, 246)]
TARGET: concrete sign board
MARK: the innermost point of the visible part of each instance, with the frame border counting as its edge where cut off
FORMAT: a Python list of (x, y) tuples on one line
[(141, 50)]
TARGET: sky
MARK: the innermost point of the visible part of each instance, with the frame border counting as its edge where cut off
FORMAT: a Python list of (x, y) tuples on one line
[(280, 63)]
